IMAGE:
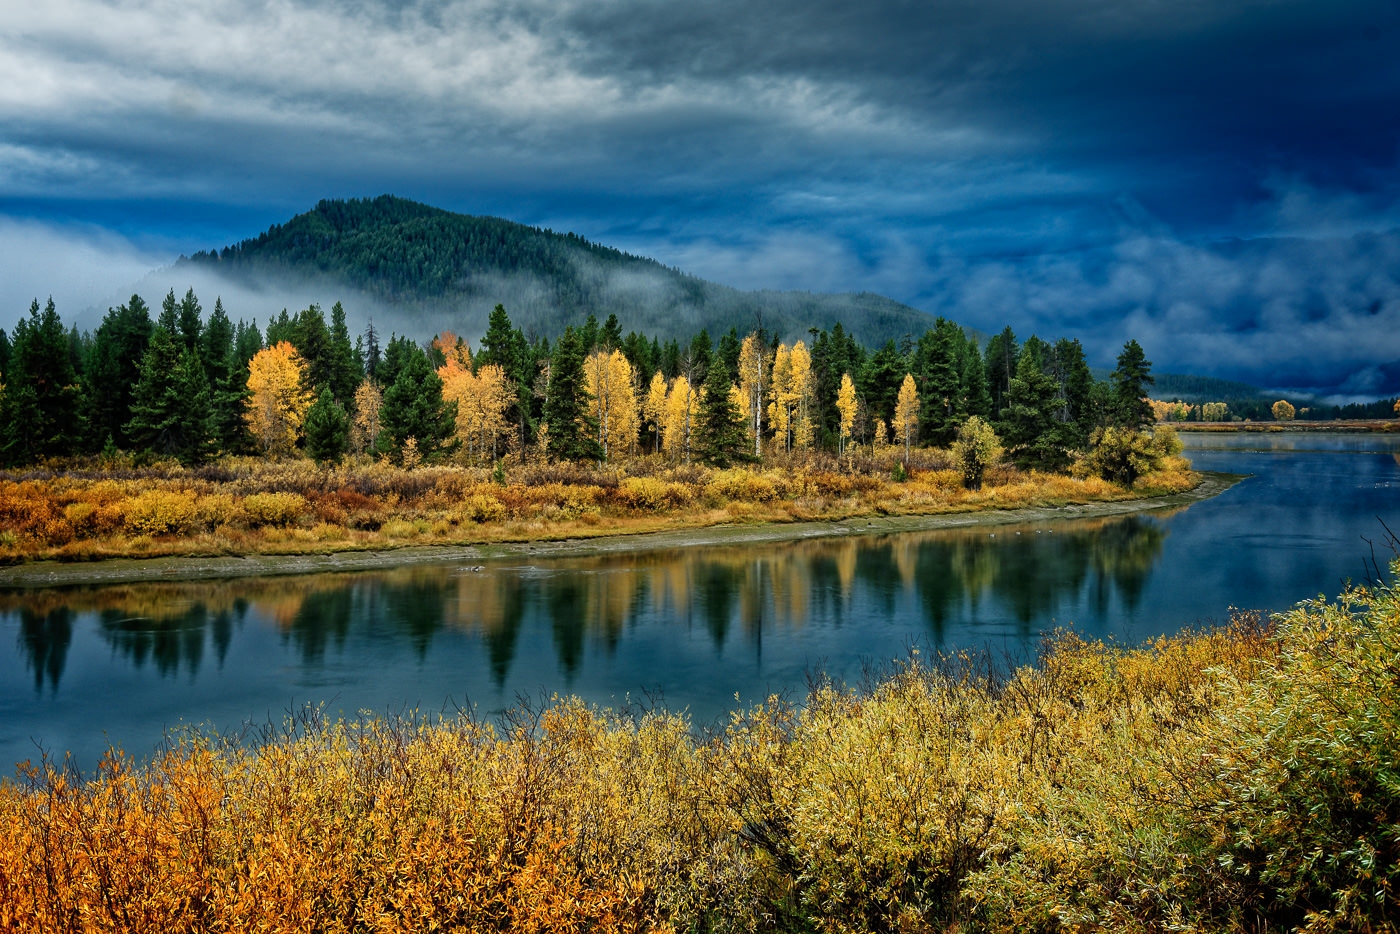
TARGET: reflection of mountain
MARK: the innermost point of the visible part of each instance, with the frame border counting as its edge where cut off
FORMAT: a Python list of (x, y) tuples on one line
[(732, 593)]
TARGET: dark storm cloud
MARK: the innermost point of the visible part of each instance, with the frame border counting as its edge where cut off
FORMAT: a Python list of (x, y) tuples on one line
[(1044, 162)]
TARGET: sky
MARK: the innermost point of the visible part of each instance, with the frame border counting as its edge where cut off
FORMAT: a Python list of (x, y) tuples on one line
[(1215, 179)]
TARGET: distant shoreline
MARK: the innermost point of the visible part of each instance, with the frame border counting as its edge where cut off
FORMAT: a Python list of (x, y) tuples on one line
[(1357, 426), (44, 574)]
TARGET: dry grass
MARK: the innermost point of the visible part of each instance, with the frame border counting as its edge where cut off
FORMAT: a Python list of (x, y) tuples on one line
[(249, 506)]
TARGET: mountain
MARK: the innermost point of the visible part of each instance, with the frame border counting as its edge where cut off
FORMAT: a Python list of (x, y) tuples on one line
[(436, 269)]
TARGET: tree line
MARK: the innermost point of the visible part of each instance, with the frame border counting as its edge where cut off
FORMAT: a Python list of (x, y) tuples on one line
[(182, 384)]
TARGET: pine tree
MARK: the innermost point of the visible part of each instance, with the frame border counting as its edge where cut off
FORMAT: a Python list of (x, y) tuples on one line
[(938, 370), (112, 371), (170, 404), (247, 341), (1028, 426), (1130, 380), (720, 435), (371, 348), (228, 382), (610, 337), (880, 386), (189, 321), (1000, 368), (347, 368), (327, 429), (169, 314), (572, 431), (312, 339), (414, 408), (40, 412), (973, 372)]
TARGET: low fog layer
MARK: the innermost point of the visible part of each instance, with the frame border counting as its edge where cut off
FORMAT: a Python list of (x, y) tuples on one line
[(1312, 315)]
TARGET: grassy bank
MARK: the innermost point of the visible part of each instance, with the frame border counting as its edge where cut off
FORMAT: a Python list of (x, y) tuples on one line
[(83, 512), (1239, 779), (1348, 425)]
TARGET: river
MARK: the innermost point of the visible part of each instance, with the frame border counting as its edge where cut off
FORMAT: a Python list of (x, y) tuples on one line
[(84, 667)]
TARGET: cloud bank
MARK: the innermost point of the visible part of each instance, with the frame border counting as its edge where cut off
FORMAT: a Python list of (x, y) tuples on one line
[(1051, 162)]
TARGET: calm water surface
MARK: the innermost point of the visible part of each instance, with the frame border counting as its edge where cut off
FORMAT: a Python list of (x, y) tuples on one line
[(80, 669)]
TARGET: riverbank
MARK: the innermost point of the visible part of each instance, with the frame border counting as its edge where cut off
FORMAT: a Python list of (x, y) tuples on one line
[(1354, 426), (51, 573)]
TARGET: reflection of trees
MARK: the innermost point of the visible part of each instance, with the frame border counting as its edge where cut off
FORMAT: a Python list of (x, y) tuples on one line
[(950, 574), (44, 638), (1032, 571), (170, 641)]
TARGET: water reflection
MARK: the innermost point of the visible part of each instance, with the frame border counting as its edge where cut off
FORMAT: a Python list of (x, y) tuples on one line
[(1030, 573)]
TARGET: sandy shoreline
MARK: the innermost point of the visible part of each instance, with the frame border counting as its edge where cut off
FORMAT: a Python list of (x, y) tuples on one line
[(130, 570)]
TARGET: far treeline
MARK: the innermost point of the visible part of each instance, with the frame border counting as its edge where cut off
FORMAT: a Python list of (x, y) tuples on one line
[(191, 387)]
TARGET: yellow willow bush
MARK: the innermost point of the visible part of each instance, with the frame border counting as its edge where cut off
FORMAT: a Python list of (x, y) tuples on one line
[(745, 486), (562, 821), (161, 512), (652, 494), (273, 508), (1237, 779)]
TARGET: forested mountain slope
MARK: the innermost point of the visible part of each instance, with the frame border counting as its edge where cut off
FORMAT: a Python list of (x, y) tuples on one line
[(433, 265)]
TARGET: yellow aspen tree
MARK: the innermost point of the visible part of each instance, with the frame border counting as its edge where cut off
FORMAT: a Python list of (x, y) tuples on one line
[(278, 398), (488, 409), (608, 380), (454, 350), (804, 389), (482, 400), (847, 405), (364, 433), (906, 413), (682, 404), (459, 386), (783, 399), (654, 406), (754, 378)]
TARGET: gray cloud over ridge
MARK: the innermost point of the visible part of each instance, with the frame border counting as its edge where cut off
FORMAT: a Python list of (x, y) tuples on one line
[(1062, 165)]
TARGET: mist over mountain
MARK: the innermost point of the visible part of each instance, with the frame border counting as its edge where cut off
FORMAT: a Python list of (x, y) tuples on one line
[(429, 269)]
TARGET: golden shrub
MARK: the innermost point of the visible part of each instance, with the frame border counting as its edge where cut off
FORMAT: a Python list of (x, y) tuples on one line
[(480, 507), (161, 512), (652, 494), (274, 508), (218, 509), (743, 486)]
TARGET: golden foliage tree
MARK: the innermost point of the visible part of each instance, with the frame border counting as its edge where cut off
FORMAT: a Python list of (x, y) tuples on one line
[(364, 431), (454, 350), (793, 389), (278, 397), (654, 406), (847, 404), (754, 379), (1283, 411), (613, 400), (906, 413), (682, 405), (483, 399)]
